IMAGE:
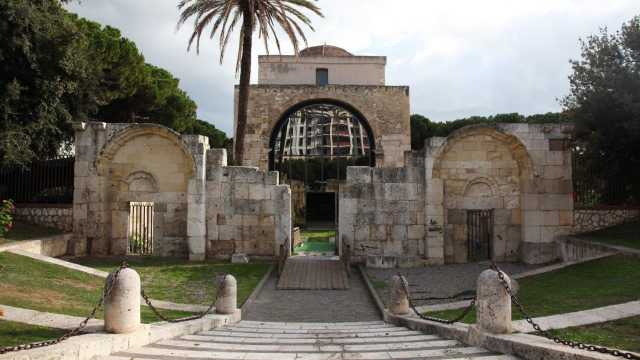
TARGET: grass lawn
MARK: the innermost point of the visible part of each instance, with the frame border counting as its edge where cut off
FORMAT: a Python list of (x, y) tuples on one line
[(181, 281), (32, 284), (622, 235), (24, 231), (13, 333), (620, 334), (589, 285), (317, 241)]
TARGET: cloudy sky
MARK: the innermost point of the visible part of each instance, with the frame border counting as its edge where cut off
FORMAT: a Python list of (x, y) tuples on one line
[(460, 57)]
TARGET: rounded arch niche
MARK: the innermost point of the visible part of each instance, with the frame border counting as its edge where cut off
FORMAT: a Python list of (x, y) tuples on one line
[(322, 129)]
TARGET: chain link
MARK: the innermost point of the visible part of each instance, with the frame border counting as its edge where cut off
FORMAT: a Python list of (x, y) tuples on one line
[(221, 286), (412, 305), (111, 280), (548, 335)]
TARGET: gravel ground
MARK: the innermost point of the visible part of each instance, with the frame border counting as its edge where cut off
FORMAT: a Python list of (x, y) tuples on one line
[(439, 281)]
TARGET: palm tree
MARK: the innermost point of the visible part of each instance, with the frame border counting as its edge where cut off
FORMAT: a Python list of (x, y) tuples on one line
[(265, 15)]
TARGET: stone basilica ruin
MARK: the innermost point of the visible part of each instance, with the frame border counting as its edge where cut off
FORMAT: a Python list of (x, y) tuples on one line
[(327, 143)]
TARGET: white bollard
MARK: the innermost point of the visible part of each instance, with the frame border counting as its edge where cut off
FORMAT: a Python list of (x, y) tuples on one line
[(122, 305), (227, 302), (493, 305), (399, 301)]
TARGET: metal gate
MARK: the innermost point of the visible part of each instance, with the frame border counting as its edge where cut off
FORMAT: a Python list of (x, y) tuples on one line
[(140, 232), (479, 234)]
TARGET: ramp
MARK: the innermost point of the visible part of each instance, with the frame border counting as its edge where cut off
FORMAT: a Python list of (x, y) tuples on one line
[(302, 273)]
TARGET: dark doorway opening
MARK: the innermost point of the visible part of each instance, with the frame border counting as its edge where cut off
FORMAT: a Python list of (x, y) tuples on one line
[(321, 210), (479, 234)]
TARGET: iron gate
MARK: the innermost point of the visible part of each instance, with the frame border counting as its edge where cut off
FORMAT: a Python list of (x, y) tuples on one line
[(479, 234), (140, 231)]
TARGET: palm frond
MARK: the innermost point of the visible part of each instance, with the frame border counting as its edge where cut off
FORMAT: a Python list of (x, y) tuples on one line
[(223, 17)]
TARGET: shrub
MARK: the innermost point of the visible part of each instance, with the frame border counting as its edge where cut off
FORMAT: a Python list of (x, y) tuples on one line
[(6, 216)]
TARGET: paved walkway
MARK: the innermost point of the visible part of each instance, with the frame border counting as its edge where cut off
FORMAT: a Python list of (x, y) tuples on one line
[(354, 304), (440, 281), (304, 273), (40, 318), (580, 318), (289, 341)]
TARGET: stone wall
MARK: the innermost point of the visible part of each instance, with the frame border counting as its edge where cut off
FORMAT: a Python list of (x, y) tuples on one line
[(55, 216), (587, 220), (382, 209), (385, 108), (301, 70), (521, 168), (478, 173), (247, 210), (200, 206)]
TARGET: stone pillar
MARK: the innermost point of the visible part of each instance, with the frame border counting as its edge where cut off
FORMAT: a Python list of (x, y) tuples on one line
[(281, 195), (434, 204), (122, 305), (227, 296), (493, 306), (196, 198), (398, 302)]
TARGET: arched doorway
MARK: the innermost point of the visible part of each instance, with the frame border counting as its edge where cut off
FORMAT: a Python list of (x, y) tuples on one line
[(311, 147)]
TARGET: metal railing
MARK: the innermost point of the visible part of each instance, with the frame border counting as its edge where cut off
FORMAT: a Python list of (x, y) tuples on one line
[(43, 181)]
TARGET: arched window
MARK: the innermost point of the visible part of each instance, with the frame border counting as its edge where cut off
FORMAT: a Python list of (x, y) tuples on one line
[(316, 142)]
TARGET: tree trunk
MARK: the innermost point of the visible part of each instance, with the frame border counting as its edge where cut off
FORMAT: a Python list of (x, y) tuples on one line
[(245, 78)]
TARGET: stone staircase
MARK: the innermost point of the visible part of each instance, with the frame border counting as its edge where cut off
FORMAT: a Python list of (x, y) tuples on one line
[(270, 340)]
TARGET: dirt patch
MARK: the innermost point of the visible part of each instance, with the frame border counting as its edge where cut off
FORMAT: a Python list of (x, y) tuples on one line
[(44, 296)]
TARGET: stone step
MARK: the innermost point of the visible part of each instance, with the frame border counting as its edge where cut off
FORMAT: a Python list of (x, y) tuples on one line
[(328, 330), (308, 341), (302, 348), (312, 335), (280, 341), (173, 353), (310, 326)]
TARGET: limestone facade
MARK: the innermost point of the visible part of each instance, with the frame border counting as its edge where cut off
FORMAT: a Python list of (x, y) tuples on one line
[(382, 210), (117, 164), (301, 70), (386, 109), (521, 172), (247, 210)]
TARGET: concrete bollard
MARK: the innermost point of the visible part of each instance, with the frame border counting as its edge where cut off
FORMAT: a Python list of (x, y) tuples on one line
[(227, 302), (398, 302), (493, 306), (122, 305)]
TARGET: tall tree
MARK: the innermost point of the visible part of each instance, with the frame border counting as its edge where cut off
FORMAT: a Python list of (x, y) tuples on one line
[(605, 100), (40, 69), (224, 15)]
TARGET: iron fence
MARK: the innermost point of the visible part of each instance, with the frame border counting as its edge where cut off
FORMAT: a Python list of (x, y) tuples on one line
[(598, 189), (42, 181)]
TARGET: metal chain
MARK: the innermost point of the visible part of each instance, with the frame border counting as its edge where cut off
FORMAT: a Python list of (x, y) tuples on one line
[(548, 335), (221, 286), (464, 313), (111, 280)]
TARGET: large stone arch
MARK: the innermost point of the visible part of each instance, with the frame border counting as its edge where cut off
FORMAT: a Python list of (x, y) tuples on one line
[(129, 134), (385, 108), (284, 117), (147, 163), (480, 168)]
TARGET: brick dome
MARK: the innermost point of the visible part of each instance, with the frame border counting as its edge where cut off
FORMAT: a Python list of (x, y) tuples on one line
[(325, 50)]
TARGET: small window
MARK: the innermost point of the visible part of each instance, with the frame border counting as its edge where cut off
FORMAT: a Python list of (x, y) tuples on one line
[(322, 77)]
